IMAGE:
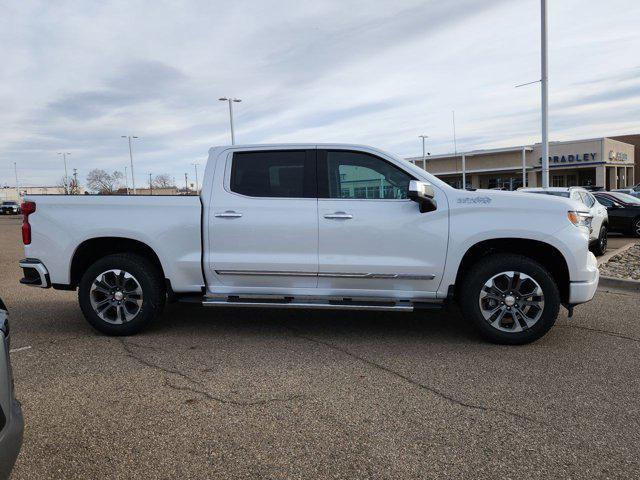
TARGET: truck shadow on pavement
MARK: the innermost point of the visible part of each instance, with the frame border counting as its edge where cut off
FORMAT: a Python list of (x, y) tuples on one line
[(446, 326)]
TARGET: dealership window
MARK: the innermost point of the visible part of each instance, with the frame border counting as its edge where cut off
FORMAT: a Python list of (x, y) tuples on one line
[(506, 183), (272, 174), (363, 176)]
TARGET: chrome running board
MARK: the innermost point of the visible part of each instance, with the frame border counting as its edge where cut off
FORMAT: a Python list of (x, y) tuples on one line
[(319, 304)]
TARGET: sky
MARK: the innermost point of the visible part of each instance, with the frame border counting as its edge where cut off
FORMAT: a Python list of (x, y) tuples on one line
[(77, 75)]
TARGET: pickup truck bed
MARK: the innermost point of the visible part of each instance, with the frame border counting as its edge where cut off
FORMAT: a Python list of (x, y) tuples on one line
[(167, 225)]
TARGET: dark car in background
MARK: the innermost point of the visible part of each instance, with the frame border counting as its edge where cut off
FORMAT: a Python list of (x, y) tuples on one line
[(623, 210), (9, 207), (11, 422)]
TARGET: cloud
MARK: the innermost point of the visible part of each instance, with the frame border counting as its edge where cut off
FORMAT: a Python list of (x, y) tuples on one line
[(78, 76)]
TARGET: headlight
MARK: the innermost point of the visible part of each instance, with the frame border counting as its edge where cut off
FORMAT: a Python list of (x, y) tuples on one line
[(579, 219)]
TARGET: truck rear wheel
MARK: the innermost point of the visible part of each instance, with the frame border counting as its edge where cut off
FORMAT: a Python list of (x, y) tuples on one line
[(121, 294), (510, 299)]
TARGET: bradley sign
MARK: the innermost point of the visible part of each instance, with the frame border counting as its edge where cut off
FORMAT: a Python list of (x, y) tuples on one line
[(572, 158)]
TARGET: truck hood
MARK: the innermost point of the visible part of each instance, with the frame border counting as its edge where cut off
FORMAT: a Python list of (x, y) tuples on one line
[(505, 200)]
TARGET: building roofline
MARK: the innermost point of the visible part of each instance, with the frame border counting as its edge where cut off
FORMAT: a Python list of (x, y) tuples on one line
[(528, 148), (478, 152)]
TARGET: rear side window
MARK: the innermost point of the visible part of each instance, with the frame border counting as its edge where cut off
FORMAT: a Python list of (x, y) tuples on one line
[(285, 174), (605, 201)]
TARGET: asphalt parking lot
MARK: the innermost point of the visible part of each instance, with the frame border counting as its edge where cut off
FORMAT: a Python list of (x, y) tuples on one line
[(287, 394)]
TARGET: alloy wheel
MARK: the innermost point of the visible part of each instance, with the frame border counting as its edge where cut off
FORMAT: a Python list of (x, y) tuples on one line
[(511, 301), (116, 296)]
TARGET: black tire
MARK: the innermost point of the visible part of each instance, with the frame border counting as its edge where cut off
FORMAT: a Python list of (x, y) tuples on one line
[(488, 267), (635, 227), (599, 247), (149, 280)]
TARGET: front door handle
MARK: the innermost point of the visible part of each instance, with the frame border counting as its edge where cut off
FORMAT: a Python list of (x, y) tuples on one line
[(228, 214), (339, 216)]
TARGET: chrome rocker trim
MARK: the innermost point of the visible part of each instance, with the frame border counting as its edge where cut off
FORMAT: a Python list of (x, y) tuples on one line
[(266, 273)]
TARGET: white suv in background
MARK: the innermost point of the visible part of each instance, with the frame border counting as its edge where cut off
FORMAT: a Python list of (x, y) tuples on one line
[(600, 220)]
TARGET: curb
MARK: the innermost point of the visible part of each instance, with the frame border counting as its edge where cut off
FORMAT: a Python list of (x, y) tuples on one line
[(608, 256), (620, 283)]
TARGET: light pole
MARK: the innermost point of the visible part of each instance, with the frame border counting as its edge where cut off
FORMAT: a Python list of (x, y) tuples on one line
[(545, 100), (424, 152), (15, 169), (524, 166), (75, 181), (231, 100), (195, 165), (464, 171), (66, 177), (133, 180), (150, 185), (126, 179), (186, 184)]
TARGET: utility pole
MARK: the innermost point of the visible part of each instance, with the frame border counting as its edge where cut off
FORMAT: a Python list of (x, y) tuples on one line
[(133, 179), (231, 100), (524, 166), (15, 169), (424, 152), (545, 99), (150, 185), (66, 176), (195, 165), (186, 184), (464, 171)]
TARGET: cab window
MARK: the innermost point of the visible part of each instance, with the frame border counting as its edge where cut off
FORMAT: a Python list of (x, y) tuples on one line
[(286, 174), (358, 175)]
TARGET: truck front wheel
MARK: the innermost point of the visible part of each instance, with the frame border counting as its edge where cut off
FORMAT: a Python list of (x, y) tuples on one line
[(511, 299), (121, 294)]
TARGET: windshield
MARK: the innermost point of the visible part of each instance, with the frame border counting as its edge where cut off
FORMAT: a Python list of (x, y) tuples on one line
[(9, 203), (625, 197)]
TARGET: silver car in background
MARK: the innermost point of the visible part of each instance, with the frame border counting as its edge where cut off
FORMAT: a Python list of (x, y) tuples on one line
[(11, 422)]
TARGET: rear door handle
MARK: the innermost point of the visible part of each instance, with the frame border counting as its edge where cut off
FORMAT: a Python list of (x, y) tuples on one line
[(228, 214), (339, 216)]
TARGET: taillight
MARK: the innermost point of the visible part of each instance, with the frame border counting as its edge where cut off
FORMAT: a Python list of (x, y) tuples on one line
[(27, 209)]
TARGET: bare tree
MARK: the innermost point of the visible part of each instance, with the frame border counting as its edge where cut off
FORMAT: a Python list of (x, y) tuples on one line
[(103, 182), (163, 181), (72, 188), (62, 183)]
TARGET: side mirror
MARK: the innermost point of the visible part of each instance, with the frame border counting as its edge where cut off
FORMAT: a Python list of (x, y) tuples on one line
[(422, 193)]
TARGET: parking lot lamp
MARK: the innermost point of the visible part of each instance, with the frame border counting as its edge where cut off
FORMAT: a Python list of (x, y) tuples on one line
[(66, 176), (195, 165), (231, 100), (15, 169), (524, 166), (545, 100), (424, 152), (133, 179)]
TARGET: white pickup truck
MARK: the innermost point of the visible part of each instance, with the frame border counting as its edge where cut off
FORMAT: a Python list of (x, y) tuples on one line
[(315, 226)]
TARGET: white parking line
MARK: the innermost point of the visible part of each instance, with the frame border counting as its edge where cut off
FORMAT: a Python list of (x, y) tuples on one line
[(21, 349)]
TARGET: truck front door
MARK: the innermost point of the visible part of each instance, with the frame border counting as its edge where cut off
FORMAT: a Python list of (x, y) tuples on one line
[(372, 238), (262, 220)]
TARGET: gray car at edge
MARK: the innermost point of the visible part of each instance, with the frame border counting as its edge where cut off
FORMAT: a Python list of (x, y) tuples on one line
[(11, 421)]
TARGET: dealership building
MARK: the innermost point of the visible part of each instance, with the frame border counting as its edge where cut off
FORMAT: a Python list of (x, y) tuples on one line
[(603, 162)]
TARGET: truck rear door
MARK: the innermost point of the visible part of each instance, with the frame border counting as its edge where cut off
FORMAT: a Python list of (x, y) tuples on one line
[(262, 220)]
